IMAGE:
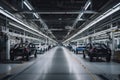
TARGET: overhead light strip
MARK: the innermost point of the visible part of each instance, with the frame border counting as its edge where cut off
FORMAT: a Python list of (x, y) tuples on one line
[(96, 34), (30, 8), (88, 3), (11, 16), (17, 26), (101, 17), (28, 5), (36, 14), (18, 35)]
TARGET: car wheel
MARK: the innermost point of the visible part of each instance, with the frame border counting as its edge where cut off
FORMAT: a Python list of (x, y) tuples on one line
[(76, 52), (23, 57), (12, 58), (108, 58), (91, 59), (27, 58), (35, 55), (84, 56)]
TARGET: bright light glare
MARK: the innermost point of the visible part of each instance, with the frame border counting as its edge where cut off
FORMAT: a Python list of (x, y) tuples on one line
[(87, 4), (36, 15), (28, 6), (15, 25), (4, 12), (101, 17)]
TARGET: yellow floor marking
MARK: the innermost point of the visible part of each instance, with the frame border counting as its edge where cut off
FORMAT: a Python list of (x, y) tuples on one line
[(88, 71)]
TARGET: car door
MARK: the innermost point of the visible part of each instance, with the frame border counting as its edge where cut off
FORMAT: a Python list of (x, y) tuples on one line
[(87, 49)]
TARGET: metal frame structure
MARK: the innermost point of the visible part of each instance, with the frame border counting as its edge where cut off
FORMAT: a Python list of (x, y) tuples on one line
[(29, 6), (12, 17), (88, 3), (98, 19), (96, 34), (59, 12)]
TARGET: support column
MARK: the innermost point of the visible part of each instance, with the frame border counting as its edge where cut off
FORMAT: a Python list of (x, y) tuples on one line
[(24, 38), (7, 40), (46, 41), (90, 39), (77, 43), (7, 47), (112, 42), (85, 41)]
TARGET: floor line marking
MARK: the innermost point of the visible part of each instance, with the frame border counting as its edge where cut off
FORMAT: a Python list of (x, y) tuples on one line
[(88, 71)]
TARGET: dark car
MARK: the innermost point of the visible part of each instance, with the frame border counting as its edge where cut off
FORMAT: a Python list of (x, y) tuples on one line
[(24, 50), (97, 50)]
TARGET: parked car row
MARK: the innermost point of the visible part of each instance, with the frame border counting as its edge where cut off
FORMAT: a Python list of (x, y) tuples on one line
[(43, 48), (69, 47), (26, 50), (80, 48), (76, 49), (93, 50), (97, 50)]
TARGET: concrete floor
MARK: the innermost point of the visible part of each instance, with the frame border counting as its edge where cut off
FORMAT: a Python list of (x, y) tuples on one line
[(60, 64)]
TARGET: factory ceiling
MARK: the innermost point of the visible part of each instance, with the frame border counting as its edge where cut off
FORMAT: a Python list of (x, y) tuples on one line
[(57, 18)]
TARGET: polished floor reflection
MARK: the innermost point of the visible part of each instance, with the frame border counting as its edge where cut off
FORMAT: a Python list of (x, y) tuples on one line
[(61, 64)]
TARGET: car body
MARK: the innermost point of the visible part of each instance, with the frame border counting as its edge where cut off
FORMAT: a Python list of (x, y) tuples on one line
[(80, 48), (39, 48), (24, 50), (97, 50), (74, 48), (69, 47)]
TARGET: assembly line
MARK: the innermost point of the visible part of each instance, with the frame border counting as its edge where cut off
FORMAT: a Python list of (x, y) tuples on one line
[(59, 39)]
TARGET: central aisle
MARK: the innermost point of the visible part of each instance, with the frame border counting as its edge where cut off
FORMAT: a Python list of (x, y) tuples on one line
[(59, 69), (56, 64)]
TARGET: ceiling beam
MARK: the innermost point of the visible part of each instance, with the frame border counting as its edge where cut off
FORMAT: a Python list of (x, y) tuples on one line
[(87, 4), (59, 12), (30, 7), (19, 21), (55, 20), (104, 15), (56, 29)]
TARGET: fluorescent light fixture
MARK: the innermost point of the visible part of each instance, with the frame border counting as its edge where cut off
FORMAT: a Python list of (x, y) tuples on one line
[(96, 34), (4, 12), (17, 26), (36, 15), (101, 17), (30, 8), (87, 4), (80, 15), (18, 35), (28, 5)]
